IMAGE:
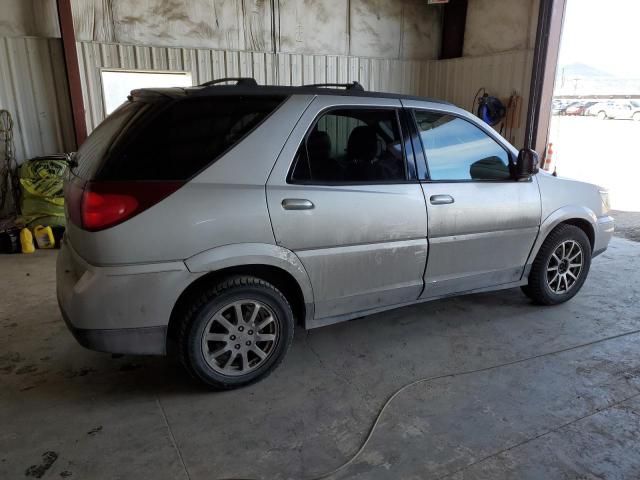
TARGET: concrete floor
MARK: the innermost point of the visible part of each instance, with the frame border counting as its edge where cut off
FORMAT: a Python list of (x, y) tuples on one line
[(627, 224), (69, 412)]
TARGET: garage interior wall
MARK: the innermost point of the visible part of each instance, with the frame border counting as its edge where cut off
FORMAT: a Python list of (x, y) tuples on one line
[(385, 45), (33, 84)]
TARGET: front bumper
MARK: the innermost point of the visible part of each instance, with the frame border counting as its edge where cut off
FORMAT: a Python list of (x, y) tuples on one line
[(603, 232), (119, 309)]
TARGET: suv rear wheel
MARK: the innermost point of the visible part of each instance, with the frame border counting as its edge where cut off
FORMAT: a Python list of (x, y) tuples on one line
[(602, 115), (236, 332), (561, 266)]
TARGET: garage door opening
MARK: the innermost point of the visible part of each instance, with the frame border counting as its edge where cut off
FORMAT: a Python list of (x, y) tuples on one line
[(595, 125)]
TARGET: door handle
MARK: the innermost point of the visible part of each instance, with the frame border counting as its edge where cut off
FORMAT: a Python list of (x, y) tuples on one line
[(440, 199), (297, 204)]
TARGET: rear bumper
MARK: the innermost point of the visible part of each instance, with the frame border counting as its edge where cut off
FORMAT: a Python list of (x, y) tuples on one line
[(123, 309), (603, 232), (135, 341)]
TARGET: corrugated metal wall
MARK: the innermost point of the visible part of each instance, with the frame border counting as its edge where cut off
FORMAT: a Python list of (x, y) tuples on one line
[(454, 80), (33, 84), (267, 68), (33, 88), (458, 80)]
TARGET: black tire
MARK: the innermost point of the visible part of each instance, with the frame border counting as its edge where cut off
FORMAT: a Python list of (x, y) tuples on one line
[(197, 317), (538, 288)]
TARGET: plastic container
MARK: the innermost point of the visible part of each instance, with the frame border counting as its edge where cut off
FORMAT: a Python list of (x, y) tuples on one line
[(26, 240), (44, 237), (10, 241)]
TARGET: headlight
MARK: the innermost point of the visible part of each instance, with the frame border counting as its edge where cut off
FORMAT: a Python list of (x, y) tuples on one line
[(604, 195)]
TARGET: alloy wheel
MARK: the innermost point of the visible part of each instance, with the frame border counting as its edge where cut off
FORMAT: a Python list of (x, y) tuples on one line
[(240, 337), (564, 267)]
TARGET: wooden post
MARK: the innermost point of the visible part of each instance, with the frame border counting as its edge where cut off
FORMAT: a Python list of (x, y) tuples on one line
[(453, 26), (65, 19), (545, 60)]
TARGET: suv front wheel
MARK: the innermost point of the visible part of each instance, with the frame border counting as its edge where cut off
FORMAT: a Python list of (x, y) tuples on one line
[(236, 332), (561, 266)]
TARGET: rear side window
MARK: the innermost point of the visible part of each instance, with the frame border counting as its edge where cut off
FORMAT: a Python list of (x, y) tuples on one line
[(458, 150), (351, 146), (180, 139)]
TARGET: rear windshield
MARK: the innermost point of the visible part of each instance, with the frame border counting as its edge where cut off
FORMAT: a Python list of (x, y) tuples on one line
[(178, 139), (93, 150)]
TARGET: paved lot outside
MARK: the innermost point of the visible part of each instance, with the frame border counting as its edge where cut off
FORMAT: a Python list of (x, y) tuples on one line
[(627, 224), (604, 152), (554, 393)]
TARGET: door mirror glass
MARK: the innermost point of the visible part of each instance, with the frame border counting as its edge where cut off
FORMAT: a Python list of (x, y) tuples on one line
[(490, 168), (527, 163)]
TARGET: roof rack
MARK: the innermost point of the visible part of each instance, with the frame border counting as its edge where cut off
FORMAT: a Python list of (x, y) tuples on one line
[(240, 81), (346, 86), (251, 82)]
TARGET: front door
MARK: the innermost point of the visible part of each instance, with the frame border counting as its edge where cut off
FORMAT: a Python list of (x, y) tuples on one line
[(482, 223), (343, 196)]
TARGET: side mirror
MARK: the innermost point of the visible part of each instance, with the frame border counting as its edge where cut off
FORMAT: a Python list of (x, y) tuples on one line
[(527, 164)]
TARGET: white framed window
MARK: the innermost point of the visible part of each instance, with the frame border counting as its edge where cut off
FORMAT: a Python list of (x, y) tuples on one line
[(117, 83)]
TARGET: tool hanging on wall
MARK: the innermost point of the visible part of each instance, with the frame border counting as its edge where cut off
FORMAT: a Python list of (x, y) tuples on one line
[(490, 109), (502, 114), (9, 181), (512, 117)]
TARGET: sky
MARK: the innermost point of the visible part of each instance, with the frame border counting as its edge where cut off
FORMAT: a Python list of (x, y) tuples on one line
[(604, 34)]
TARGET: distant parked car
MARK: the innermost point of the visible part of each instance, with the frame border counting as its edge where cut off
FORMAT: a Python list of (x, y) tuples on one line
[(558, 107), (635, 105), (578, 108), (618, 109)]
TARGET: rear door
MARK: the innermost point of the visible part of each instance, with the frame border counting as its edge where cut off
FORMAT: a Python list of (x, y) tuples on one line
[(482, 223), (344, 197)]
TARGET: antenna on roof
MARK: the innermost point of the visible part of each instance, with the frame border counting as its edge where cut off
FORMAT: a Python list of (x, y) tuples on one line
[(346, 86), (240, 81)]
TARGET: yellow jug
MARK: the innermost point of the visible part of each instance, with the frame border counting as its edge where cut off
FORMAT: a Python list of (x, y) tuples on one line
[(26, 240), (44, 237)]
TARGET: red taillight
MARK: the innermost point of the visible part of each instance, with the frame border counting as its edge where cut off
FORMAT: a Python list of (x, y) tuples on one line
[(101, 210), (106, 204)]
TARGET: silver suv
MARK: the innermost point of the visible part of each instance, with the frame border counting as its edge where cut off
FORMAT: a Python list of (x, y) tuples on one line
[(208, 221)]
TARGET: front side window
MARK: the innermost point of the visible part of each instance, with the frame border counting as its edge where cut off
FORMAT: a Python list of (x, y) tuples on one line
[(351, 146), (458, 150)]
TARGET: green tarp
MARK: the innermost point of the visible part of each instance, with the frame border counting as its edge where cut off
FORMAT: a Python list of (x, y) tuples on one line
[(42, 198)]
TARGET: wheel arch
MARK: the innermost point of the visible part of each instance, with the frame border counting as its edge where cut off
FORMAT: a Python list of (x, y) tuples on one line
[(581, 217), (583, 225), (271, 263)]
